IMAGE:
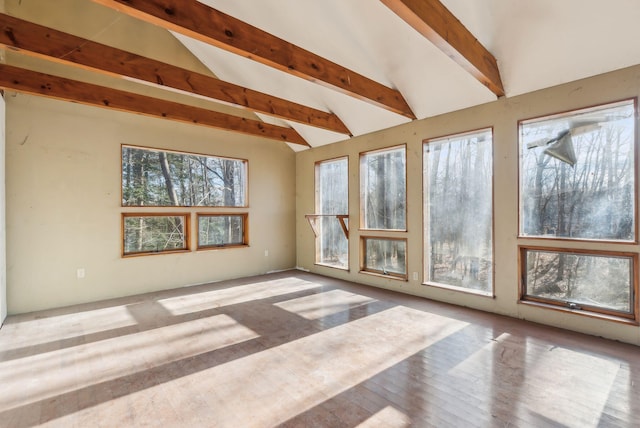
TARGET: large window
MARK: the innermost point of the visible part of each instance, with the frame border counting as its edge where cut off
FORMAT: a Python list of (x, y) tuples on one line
[(164, 178), (154, 233), (383, 190), (160, 178), (383, 208), (577, 182), (458, 207), (332, 208)]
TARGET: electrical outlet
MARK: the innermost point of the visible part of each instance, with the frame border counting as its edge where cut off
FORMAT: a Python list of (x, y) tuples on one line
[(266, 253), (415, 276), (80, 273)]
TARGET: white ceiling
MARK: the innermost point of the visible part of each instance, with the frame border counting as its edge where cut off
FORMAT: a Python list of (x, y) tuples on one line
[(537, 44)]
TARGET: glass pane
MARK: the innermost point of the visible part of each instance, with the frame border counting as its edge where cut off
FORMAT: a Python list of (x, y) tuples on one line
[(332, 197), (458, 211), (577, 174), (333, 187), (154, 234), (333, 246), (601, 281), (383, 189), (220, 230), (161, 178), (385, 256)]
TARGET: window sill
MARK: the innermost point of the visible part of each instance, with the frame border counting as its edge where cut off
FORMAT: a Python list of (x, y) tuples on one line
[(471, 291), (581, 312), (363, 229), (346, 269), (155, 253), (397, 277), (221, 247)]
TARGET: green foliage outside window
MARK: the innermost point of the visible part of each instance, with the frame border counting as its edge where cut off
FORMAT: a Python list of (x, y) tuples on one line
[(163, 178), (154, 233)]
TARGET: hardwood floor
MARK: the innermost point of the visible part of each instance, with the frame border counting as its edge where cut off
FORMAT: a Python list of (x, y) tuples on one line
[(301, 350)]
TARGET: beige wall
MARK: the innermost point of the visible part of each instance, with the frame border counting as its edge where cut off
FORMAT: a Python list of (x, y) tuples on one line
[(63, 205), (503, 116)]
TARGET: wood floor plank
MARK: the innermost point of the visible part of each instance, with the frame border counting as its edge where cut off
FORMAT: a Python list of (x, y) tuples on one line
[(296, 349)]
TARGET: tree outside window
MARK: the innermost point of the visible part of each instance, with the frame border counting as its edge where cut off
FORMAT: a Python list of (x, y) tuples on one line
[(458, 211), (578, 183)]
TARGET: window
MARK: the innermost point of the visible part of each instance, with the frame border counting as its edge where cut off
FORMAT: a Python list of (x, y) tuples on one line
[(163, 178), (384, 256), (596, 281), (383, 194), (154, 233), (577, 174), (383, 207), (458, 208), (222, 230), (160, 178), (332, 208), (577, 182)]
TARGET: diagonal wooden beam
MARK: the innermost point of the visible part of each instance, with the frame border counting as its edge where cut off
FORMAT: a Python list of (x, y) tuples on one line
[(201, 22), (33, 39), (32, 82), (435, 22)]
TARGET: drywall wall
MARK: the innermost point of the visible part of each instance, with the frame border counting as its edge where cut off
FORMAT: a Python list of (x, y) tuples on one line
[(64, 205), (502, 115), (3, 229)]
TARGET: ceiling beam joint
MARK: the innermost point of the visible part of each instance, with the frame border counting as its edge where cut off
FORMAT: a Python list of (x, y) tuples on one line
[(36, 40), (436, 23), (201, 22)]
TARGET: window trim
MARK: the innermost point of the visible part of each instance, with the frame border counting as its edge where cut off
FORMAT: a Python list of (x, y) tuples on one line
[(391, 275), (156, 149), (559, 114), (583, 309), (187, 233), (406, 198), (245, 230), (492, 292)]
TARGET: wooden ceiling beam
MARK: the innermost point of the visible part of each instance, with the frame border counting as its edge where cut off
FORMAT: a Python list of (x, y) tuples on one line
[(435, 22), (33, 39), (201, 22), (35, 83)]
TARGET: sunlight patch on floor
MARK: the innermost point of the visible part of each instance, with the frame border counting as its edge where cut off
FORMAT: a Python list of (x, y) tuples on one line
[(324, 304), (504, 369), (294, 377), (389, 417), (39, 330), (27, 380), (234, 295), (584, 378)]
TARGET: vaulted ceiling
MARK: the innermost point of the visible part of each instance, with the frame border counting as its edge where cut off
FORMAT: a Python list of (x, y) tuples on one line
[(308, 72)]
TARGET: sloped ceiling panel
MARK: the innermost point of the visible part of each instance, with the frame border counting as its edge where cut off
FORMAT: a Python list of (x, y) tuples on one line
[(362, 35)]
